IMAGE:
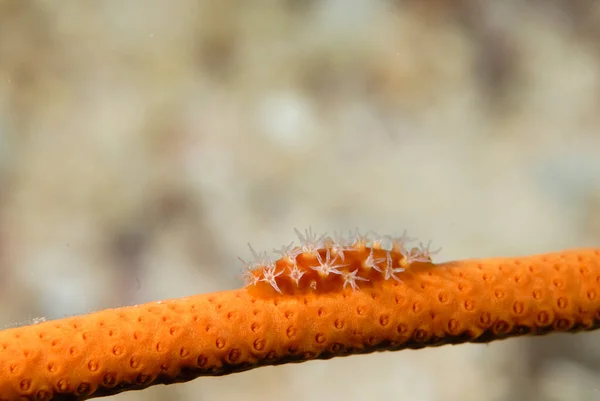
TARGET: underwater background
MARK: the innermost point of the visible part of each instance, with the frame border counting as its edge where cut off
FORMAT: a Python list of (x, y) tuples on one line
[(143, 144)]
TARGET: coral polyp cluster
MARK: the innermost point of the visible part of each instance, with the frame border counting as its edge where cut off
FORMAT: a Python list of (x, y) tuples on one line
[(320, 263)]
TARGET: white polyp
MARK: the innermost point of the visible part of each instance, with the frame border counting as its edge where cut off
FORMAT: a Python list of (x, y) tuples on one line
[(359, 240), (260, 259), (289, 252), (399, 242), (351, 279), (410, 255), (310, 242), (339, 245), (371, 262), (378, 241), (295, 273), (269, 275), (390, 270), (249, 277), (326, 267), (347, 244), (424, 254)]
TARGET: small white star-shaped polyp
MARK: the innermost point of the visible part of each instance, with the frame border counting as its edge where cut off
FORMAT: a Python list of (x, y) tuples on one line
[(351, 279), (326, 267)]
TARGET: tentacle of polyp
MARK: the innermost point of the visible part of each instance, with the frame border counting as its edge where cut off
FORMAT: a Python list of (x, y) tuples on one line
[(321, 299)]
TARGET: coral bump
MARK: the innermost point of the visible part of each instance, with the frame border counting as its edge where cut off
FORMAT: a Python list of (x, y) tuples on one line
[(320, 299)]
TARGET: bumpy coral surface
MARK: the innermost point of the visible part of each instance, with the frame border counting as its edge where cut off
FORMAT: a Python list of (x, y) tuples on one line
[(324, 298)]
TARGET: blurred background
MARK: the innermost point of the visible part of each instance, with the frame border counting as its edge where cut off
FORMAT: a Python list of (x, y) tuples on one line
[(144, 143)]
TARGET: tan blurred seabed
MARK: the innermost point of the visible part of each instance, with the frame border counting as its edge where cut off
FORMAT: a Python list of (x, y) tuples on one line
[(144, 143)]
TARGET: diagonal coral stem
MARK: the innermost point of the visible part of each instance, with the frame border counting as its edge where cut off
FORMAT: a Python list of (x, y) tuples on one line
[(129, 348)]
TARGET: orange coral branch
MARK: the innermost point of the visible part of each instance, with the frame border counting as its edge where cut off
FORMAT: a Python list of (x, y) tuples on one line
[(477, 300)]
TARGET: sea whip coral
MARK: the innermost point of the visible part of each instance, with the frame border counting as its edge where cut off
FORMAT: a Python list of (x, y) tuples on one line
[(322, 299)]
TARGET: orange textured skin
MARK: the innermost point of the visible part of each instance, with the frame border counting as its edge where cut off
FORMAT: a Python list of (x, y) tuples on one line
[(476, 300)]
